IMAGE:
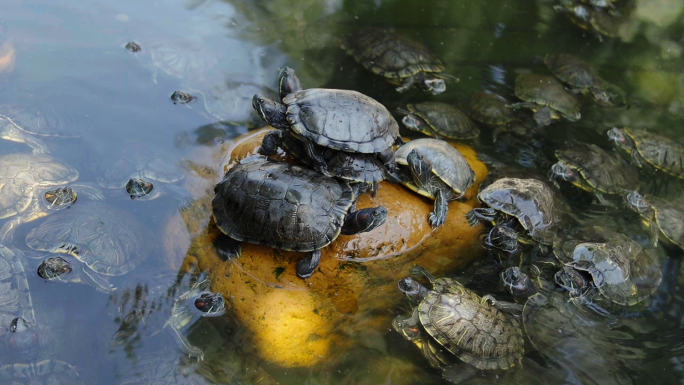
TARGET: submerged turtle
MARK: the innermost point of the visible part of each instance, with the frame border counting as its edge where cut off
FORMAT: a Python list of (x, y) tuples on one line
[(401, 61), (164, 302), (583, 78), (646, 147), (462, 322), (661, 216), (539, 91), (590, 18), (590, 168), (338, 119), (288, 207), (436, 170), (27, 124), (107, 241), (439, 120)]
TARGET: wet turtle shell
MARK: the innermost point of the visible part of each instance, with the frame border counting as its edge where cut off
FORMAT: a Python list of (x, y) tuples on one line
[(442, 120), (598, 170), (490, 109), (546, 91), (15, 295), (341, 119), (658, 151), (447, 163), (573, 71), (108, 241), (666, 216)]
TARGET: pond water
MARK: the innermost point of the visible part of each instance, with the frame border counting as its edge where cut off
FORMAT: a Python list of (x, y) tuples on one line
[(69, 57)]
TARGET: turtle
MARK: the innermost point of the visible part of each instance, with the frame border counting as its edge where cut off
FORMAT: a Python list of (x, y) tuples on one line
[(623, 272), (401, 61), (138, 187), (583, 78), (660, 215), (490, 109), (25, 123), (589, 18), (27, 186), (166, 301), (658, 151), (540, 91), (15, 296), (439, 120), (456, 319), (590, 168), (338, 119), (434, 169), (107, 241), (288, 207)]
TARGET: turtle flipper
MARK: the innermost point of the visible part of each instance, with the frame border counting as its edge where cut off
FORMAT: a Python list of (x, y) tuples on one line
[(308, 265), (364, 220), (191, 350), (227, 248), (406, 84), (438, 215)]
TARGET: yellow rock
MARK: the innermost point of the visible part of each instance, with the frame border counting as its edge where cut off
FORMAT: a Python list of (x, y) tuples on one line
[(294, 322)]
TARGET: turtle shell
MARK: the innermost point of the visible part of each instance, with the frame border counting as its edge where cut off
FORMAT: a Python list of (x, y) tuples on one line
[(547, 91), (471, 329), (531, 201), (41, 122), (599, 170), (659, 151), (22, 174), (109, 241), (341, 119), (447, 163), (15, 295), (390, 55), (445, 120), (490, 109), (280, 205), (136, 160), (573, 71)]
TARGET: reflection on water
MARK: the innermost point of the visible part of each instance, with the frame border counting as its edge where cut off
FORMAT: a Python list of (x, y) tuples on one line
[(108, 114)]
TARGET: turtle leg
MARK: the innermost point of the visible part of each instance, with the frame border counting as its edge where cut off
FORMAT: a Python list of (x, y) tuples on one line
[(364, 220), (387, 158), (271, 142), (507, 307), (191, 350), (406, 84), (95, 280), (438, 215), (481, 214), (308, 265), (458, 373), (227, 248), (319, 162)]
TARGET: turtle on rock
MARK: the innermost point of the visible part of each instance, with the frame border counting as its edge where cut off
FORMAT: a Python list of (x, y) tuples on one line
[(287, 207)]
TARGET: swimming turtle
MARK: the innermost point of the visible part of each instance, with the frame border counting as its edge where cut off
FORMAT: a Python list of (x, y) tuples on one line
[(589, 18), (456, 319), (583, 78), (107, 241), (28, 124), (590, 168), (166, 301), (436, 170), (439, 120), (288, 207), (489, 109), (646, 147), (338, 119), (540, 91), (660, 215), (27, 185), (401, 61)]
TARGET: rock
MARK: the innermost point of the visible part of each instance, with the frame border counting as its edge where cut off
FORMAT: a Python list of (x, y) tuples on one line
[(294, 322)]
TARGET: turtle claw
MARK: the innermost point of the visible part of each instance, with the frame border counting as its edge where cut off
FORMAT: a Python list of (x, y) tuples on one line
[(436, 220)]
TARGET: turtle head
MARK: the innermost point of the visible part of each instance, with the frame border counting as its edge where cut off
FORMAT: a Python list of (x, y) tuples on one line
[(435, 85), (21, 338), (364, 220), (517, 282), (418, 164), (19, 325), (503, 238), (138, 187), (572, 280), (637, 202), (561, 170), (270, 111), (54, 268), (411, 121), (618, 136), (211, 304), (412, 288), (288, 82), (407, 327)]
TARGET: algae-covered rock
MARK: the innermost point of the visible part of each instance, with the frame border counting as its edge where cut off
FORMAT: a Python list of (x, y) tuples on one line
[(296, 322)]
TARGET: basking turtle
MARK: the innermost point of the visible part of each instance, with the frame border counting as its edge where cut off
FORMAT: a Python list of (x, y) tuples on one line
[(338, 119), (661, 216), (539, 91), (15, 296), (147, 306), (107, 241), (590, 168), (462, 322), (645, 147), (401, 61), (583, 78), (27, 124), (436, 170), (27, 188), (288, 207), (439, 120), (590, 18)]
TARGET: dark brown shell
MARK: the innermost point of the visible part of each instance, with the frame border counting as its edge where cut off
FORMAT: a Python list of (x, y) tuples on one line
[(490, 109), (601, 171), (446, 120), (547, 91), (573, 70)]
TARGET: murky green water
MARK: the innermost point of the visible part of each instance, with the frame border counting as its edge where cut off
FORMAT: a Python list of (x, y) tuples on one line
[(69, 56)]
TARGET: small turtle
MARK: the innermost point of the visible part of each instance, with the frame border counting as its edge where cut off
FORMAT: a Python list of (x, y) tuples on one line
[(107, 241), (165, 302), (462, 322), (27, 124), (490, 109), (590, 168), (583, 78), (589, 18), (539, 91), (401, 61), (436, 170), (288, 207), (661, 216), (338, 119), (646, 147), (439, 120)]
